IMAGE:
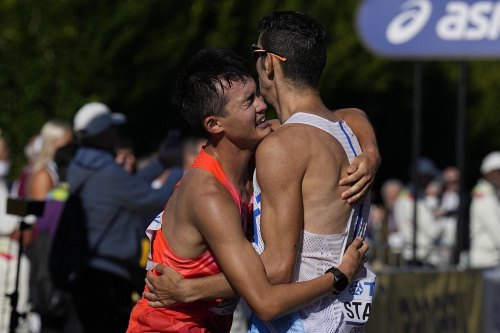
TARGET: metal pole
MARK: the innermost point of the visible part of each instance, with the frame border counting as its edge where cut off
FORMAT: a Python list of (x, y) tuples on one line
[(14, 297), (417, 109), (462, 221)]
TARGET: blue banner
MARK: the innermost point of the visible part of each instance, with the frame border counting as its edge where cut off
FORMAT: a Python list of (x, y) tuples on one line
[(430, 29)]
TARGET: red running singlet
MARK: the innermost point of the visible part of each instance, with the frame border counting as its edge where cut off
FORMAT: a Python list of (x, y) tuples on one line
[(201, 316)]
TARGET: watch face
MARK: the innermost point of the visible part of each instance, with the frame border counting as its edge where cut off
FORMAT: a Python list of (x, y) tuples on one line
[(341, 282)]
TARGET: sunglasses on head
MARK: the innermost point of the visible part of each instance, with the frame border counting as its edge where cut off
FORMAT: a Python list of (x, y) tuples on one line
[(257, 52)]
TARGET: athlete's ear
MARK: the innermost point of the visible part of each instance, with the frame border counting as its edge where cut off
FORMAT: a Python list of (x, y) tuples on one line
[(269, 64), (212, 125)]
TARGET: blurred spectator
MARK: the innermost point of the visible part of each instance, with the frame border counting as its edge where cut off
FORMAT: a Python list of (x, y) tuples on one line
[(31, 151), (9, 254), (191, 147), (54, 306), (448, 211), (54, 201), (54, 134), (390, 191), (388, 242), (429, 228), (113, 201), (450, 197), (376, 236), (125, 154), (4, 159), (485, 215)]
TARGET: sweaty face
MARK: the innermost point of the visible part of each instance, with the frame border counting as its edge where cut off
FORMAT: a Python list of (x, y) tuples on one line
[(245, 124)]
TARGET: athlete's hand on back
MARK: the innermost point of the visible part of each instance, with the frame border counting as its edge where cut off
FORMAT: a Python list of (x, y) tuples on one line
[(362, 173), (165, 291)]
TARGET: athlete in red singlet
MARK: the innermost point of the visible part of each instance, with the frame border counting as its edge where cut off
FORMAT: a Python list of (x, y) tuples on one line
[(200, 316)]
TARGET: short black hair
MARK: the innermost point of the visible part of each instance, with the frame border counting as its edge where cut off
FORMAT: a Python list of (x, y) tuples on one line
[(301, 39), (195, 94)]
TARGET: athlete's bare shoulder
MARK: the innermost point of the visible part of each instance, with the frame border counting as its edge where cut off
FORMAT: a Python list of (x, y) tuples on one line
[(199, 185), (349, 112), (284, 152), (276, 141)]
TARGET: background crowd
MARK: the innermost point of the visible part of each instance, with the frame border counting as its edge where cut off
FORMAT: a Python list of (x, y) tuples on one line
[(119, 193), (122, 193), (437, 200)]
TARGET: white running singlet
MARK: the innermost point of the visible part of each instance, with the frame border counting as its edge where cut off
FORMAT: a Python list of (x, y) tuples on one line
[(348, 311)]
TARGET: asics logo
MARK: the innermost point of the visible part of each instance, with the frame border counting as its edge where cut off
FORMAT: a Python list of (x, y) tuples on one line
[(479, 21), (462, 21), (410, 22)]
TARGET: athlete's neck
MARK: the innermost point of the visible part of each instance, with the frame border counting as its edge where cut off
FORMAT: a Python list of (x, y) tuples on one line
[(234, 162), (289, 104)]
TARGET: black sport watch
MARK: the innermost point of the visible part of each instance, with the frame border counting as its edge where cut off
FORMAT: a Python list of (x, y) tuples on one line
[(340, 282)]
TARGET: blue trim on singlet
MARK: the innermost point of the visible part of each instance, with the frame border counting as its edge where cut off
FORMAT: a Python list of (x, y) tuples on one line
[(348, 139), (360, 213), (358, 221), (256, 213)]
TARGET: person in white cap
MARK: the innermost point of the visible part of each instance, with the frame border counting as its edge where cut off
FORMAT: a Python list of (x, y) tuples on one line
[(485, 215), (114, 201)]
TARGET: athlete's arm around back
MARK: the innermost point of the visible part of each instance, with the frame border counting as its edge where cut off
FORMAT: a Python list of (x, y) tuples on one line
[(214, 215), (364, 167)]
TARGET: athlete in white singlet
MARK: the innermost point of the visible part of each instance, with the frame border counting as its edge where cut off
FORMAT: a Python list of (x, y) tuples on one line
[(320, 252)]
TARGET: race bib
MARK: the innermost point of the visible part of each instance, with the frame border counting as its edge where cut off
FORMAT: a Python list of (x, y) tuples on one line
[(356, 301), (151, 232)]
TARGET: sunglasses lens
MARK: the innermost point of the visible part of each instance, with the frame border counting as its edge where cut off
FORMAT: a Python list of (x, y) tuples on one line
[(255, 53)]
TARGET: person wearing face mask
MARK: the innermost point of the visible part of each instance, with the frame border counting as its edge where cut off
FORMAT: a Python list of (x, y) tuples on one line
[(4, 159), (9, 254)]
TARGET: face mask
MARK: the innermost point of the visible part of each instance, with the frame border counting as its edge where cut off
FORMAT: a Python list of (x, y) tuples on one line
[(4, 168)]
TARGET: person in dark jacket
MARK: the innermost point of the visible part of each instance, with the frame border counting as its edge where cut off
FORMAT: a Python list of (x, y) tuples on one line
[(114, 201)]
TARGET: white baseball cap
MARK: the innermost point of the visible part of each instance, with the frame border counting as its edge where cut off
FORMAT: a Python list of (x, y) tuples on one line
[(93, 118), (490, 162)]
